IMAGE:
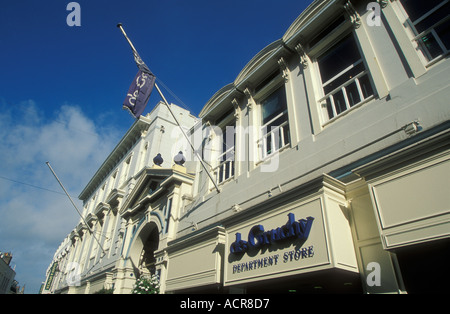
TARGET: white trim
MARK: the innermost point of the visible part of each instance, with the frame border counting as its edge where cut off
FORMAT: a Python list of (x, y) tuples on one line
[(342, 72), (262, 141), (322, 101)]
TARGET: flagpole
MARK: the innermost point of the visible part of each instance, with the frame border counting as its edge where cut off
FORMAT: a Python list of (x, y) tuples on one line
[(173, 115), (65, 191), (128, 39), (187, 138)]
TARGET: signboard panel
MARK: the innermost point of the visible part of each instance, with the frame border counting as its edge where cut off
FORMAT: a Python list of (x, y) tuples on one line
[(51, 276), (410, 204), (195, 261), (289, 241)]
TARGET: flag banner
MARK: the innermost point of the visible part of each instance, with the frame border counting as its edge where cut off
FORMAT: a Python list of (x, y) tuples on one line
[(140, 89), (139, 93)]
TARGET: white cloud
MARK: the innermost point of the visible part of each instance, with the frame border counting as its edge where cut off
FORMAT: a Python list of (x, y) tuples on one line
[(33, 219)]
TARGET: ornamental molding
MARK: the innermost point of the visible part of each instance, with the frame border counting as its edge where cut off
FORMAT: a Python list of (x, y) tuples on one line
[(355, 19), (383, 3), (303, 58), (236, 208), (249, 94), (237, 109), (283, 67)]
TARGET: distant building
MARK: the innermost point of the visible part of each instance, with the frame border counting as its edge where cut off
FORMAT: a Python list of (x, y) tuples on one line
[(85, 262), (7, 274), (331, 153)]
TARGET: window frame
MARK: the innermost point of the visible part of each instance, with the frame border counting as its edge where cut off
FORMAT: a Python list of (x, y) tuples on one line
[(340, 35), (425, 54), (224, 163), (167, 214), (276, 83)]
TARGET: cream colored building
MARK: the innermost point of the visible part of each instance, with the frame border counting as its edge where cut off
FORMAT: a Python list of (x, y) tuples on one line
[(7, 273), (331, 154), (105, 253)]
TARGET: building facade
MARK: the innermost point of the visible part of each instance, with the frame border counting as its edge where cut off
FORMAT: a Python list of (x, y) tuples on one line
[(7, 274), (330, 163), (94, 255)]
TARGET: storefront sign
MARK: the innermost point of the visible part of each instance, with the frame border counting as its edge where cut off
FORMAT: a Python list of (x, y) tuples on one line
[(258, 237), (291, 240), (51, 276), (273, 260)]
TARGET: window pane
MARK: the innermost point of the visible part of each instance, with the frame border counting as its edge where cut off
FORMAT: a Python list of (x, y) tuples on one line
[(339, 57), (221, 173), (417, 8), (433, 18), (228, 140), (339, 102), (327, 30), (268, 147), (430, 44), (274, 105), (286, 136), (444, 33), (227, 170), (329, 108), (366, 86), (425, 15), (352, 94), (344, 78)]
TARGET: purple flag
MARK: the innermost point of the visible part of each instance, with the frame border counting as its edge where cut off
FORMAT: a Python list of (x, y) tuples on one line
[(140, 89)]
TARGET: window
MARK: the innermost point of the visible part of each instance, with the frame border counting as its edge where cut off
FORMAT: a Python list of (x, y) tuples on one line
[(167, 214), (275, 124), (430, 22), (125, 169), (109, 231), (225, 161), (345, 79)]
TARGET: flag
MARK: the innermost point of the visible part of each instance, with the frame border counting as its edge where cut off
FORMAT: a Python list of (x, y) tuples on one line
[(140, 89)]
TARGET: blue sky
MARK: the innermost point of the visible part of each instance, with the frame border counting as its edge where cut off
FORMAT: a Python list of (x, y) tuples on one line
[(62, 87)]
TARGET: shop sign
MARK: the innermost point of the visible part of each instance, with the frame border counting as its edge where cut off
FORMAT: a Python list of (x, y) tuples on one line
[(51, 276), (289, 256), (259, 238)]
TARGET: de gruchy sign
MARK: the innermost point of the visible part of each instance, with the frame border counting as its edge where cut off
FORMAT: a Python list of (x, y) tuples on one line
[(258, 237)]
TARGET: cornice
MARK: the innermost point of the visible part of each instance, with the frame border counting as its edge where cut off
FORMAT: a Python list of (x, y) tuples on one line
[(114, 197), (217, 99), (167, 177), (100, 209), (314, 10), (258, 61)]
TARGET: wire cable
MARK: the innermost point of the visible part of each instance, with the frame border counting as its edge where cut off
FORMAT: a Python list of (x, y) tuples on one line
[(31, 185)]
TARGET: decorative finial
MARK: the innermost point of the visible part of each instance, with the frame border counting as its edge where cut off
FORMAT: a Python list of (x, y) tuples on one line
[(158, 160), (179, 159)]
